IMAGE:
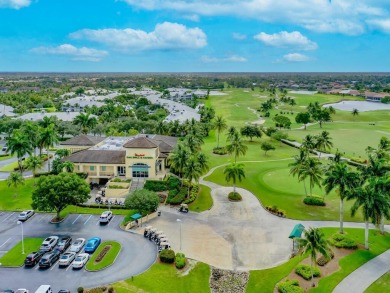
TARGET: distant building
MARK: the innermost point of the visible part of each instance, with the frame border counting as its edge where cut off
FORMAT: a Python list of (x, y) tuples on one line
[(64, 116), (6, 111), (375, 97)]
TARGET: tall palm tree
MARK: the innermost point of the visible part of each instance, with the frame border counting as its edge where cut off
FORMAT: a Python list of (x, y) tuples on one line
[(220, 125), (340, 177), (323, 142), (178, 158), (161, 127), (236, 147), (193, 142), (47, 120), (62, 153), (376, 167), (309, 143), (234, 172), (49, 137), (312, 169), (15, 179), (232, 132), (313, 243), (192, 171), (202, 161), (19, 144), (373, 204), (31, 131), (297, 166), (355, 112), (33, 163), (68, 166), (85, 121)]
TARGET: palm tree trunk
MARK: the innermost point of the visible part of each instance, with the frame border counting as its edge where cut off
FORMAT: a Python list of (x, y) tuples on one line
[(382, 225), (48, 161), (304, 185), (20, 163), (234, 187), (218, 140), (311, 271), (366, 236), (341, 216)]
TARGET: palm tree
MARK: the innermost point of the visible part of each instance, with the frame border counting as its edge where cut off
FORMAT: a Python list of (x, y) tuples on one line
[(49, 137), (202, 161), (19, 144), (309, 143), (355, 112), (192, 171), (15, 179), (312, 169), (68, 166), (292, 103), (323, 142), (62, 153), (232, 132), (47, 120), (313, 243), (297, 166), (236, 147), (33, 163), (340, 177), (373, 203), (220, 125), (193, 143), (178, 158), (160, 127), (86, 122), (31, 131), (234, 172)]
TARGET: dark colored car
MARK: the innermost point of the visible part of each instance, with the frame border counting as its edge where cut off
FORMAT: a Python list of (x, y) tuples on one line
[(64, 291), (48, 259), (63, 244), (33, 258), (92, 244)]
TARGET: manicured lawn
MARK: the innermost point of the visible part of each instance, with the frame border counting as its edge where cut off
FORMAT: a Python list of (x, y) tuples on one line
[(164, 278), (381, 285), (10, 167), (5, 157), (204, 201), (14, 256), (107, 260)]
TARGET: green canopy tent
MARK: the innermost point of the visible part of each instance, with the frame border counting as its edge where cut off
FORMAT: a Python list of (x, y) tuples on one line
[(296, 233), (136, 216)]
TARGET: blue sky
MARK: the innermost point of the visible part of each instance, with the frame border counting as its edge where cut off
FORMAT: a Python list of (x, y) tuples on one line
[(194, 35)]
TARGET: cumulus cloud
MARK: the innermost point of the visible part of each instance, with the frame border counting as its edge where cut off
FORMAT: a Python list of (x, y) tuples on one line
[(192, 17), (341, 16), (232, 58), (296, 57), (381, 24), (15, 4), (285, 39), (238, 36), (166, 36), (80, 54)]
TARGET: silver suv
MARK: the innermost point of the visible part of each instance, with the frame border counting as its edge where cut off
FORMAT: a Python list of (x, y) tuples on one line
[(105, 217), (49, 243)]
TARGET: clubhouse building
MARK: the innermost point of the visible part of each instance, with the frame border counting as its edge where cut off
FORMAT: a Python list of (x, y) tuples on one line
[(140, 156)]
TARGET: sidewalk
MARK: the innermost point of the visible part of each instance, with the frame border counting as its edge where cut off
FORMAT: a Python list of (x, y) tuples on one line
[(360, 279)]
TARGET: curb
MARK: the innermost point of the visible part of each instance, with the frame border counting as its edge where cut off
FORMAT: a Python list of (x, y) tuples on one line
[(95, 271)]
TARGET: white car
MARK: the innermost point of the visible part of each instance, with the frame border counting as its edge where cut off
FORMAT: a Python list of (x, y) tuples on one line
[(80, 260), (49, 243), (66, 259), (25, 215), (77, 245), (105, 217)]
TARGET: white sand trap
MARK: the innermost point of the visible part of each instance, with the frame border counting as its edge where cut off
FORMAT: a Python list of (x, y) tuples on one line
[(361, 106), (258, 122), (303, 92), (217, 93)]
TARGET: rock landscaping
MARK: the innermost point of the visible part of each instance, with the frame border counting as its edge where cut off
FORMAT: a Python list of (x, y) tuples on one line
[(223, 281), (102, 253)]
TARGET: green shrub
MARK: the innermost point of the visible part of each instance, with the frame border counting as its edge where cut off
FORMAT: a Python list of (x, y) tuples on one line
[(235, 196), (4, 155), (118, 187), (167, 256), (323, 260), (80, 290), (116, 180), (342, 241), (180, 260), (110, 290), (276, 211), (220, 151), (155, 185), (178, 198), (290, 286), (173, 183), (314, 201), (359, 160), (305, 272), (193, 194)]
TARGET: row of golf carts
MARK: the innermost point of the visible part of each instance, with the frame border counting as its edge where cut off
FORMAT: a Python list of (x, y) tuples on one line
[(158, 237)]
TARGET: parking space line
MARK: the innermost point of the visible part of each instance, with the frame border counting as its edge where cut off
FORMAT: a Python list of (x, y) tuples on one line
[(111, 221), (69, 266), (88, 219), (37, 267), (5, 242), (53, 266), (8, 217), (76, 219), (98, 221), (1, 213)]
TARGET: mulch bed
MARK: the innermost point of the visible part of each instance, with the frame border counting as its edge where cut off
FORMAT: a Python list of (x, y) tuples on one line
[(224, 281)]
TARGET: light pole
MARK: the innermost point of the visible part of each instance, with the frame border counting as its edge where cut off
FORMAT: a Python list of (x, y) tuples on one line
[(21, 223), (178, 220)]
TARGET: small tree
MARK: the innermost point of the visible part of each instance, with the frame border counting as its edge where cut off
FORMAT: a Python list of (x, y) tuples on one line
[(279, 136), (251, 131), (144, 200), (15, 179), (266, 146), (234, 172), (56, 192), (355, 112), (33, 163), (282, 121), (303, 118)]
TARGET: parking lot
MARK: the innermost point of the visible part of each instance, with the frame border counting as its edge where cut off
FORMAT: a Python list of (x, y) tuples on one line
[(136, 256)]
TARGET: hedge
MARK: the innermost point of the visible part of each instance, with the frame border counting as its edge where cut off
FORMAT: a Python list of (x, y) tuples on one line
[(155, 185), (118, 187), (167, 256), (290, 286), (323, 260), (342, 241), (173, 183), (176, 197), (314, 201), (180, 260), (193, 194), (235, 196), (305, 272), (220, 151)]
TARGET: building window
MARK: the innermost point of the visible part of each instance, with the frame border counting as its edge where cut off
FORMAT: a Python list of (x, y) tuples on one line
[(140, 170), (91, 168), (103, 168)]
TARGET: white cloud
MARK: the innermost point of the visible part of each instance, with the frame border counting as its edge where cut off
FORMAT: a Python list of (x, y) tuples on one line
[(80, 54), (381, 24), (192, 17), (296, 57), (165, 36), (238, 36), (285, 39), (232, 58), (15, 4), (341, 16)]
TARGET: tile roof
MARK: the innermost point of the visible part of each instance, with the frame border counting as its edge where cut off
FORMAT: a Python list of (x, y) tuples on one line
[(97, 156), (83, 140), (141, 143)]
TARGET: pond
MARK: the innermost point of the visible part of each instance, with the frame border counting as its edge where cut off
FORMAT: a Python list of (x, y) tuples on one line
[(361, 106), (303, 92)]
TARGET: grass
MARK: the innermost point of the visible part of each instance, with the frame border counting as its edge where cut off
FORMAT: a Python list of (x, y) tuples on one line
[(203, 201), (380, 285), (107, 260), (14, 257), (5, 157), (10, 167), (164, 278)]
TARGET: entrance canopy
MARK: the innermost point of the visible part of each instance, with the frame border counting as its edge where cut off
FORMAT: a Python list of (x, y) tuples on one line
[(136, 216), (297, 231)]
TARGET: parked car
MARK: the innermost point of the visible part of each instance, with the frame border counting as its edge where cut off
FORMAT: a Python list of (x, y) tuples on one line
[(80, 260), (49, 243), (92, 244), (77, 245), (64, 291), (7, 291), (63, 244), (33, 258), (25, 215), (48, 259), (105, 217), (66, 259)]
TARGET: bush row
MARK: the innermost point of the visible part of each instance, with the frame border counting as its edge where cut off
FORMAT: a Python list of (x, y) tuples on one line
[(323, 260), (314, 201), (155, 185), (193, 194), (342, 241), (118, 187), (176, 196), (120, 180), (4, 155), (220, 151), (276, 211), (180, 260), (290, 286), (167, 256), (305, 271), (102, 253)]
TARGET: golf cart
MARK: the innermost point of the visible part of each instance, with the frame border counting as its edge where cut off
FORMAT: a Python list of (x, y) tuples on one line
[(183, 208)]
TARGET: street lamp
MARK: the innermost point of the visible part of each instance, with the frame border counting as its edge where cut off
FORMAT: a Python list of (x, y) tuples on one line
[(21, 223), (178, 220)]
